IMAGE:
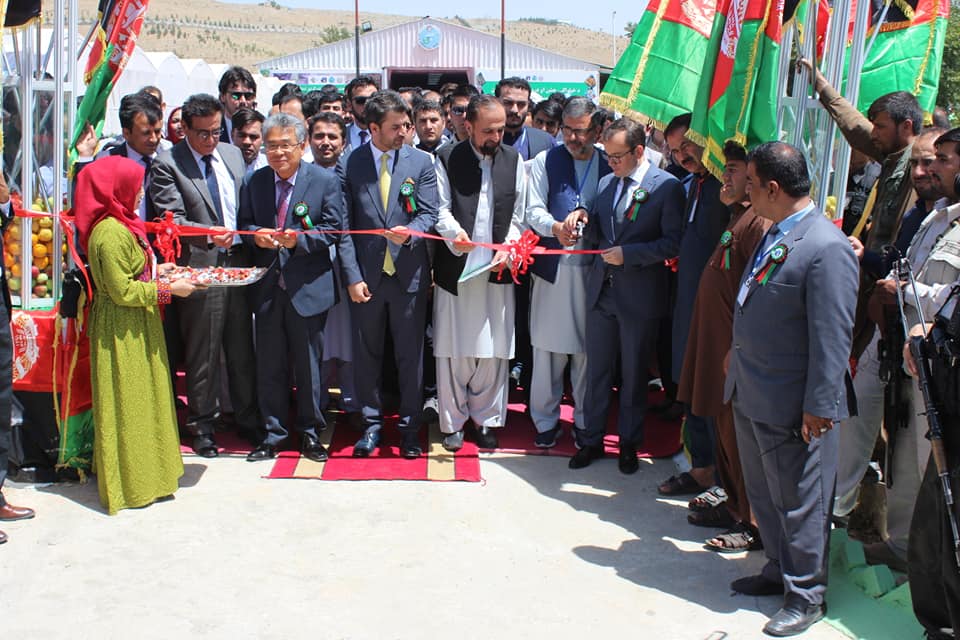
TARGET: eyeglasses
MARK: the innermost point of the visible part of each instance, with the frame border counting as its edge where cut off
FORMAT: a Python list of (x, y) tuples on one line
[(617, 157), (243, 95), (459, 111), (205, 134), (570, 131), (360, 100), (279, 147)]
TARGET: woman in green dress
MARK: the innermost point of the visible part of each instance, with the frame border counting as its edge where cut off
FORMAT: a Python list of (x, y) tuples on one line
[(136, 446)]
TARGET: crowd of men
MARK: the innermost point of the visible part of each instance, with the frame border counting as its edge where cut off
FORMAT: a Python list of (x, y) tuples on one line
[(736, 292)]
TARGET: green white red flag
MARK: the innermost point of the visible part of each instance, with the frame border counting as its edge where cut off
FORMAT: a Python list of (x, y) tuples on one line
[(117, 32), (657, 76), (737, 95), (908, 51)]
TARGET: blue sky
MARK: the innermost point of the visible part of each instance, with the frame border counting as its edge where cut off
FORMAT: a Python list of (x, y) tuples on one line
[(597, 17)]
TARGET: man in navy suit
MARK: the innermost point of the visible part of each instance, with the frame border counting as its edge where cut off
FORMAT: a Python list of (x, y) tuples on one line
[(391, 187), (292, 299), (636, 221)]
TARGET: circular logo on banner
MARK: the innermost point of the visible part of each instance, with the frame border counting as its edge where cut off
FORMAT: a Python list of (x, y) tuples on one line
[(23, 330), (429, 37)]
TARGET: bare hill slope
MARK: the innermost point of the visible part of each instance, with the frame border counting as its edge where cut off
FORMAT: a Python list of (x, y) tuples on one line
[(247, 34)]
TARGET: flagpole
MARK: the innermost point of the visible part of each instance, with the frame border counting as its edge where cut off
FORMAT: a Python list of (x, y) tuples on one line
[(356, 32), (503, 39)]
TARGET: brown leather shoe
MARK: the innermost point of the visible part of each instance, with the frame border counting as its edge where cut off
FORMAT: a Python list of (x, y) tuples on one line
[(3, 537), (8, 512)]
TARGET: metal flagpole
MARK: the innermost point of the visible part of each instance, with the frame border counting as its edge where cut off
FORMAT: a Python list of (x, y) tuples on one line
[(503, 39), (356, 32)]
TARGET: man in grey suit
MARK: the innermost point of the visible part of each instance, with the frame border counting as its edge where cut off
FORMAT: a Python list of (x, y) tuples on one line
[(199, 181), (636, 220), (392, 187), (789, 383), (292, 299)]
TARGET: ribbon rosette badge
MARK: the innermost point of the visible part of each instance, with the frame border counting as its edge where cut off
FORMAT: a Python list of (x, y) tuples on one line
[(726, 242), (302, 211), (777, 256), (406, 193), (640, 196)]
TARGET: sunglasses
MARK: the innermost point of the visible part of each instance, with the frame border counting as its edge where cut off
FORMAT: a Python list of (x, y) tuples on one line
[(458, 110), (243, 95), (360, 100)]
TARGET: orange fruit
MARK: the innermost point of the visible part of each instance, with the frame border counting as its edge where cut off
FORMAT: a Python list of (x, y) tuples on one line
[(39, 250)]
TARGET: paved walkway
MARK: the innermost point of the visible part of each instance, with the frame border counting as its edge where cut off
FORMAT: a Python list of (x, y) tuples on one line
[(537, 551)]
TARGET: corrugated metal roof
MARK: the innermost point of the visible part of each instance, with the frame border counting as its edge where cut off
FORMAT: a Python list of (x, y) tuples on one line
[(397, 46)]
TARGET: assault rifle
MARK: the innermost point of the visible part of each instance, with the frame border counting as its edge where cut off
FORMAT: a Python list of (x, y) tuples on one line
[(922, 349), (896, 414)]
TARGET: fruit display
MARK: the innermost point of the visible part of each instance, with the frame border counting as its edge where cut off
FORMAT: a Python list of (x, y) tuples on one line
[(40, 275)]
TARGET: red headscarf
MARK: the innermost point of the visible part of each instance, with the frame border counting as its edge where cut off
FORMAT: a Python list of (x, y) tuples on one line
[(108, 188)]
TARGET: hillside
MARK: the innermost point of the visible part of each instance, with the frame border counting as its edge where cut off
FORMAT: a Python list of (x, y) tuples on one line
[(247, 34)]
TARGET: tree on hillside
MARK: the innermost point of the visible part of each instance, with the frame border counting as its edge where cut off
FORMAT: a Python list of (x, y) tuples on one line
[(334, 34), (949, 90)]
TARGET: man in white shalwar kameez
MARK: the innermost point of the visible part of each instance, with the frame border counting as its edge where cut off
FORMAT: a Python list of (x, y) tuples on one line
[(562, 180), (481, 187)]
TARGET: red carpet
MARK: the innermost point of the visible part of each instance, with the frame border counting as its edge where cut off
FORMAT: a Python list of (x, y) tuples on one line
[(661, 439)]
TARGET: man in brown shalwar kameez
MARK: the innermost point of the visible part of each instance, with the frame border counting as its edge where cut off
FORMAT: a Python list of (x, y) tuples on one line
[(702, 376)]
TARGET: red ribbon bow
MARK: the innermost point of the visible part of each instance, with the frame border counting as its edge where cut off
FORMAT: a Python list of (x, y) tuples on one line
[(167, 237)]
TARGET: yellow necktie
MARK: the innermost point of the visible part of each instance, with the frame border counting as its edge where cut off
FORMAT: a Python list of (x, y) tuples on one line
[(388, 267)]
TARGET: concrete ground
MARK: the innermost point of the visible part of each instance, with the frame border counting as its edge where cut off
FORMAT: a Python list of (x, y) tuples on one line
[(536, 551)]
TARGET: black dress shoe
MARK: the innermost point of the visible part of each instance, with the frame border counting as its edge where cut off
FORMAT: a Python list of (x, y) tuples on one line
[(757, 586), (487, 438), (794, 619), (205, 446), (627, 460), (366, 445), (410, 446), (586, 455), (263, 452), (313, 450)]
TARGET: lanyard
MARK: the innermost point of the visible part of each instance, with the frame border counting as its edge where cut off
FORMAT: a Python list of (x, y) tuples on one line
[(586, 174)]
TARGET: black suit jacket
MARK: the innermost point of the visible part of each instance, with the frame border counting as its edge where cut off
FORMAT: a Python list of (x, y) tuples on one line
[(307, 269)]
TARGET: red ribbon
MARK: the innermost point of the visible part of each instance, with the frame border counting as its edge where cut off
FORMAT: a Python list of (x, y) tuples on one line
[(167, 236)]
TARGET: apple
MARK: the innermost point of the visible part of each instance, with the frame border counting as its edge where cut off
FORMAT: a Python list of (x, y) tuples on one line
[(35, 271), (42, 278), (40, 290), (14, 284)]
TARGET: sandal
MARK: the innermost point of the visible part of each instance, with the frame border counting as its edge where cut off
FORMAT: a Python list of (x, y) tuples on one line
[(740, 538), (681, 485), (712, 497), (718, 517)]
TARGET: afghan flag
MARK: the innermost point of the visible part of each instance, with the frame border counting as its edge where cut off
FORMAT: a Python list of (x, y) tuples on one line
[(657, 76), (117, 31), (737, 96), (908, 50)]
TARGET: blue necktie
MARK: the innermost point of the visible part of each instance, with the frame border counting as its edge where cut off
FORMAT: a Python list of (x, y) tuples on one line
[(214, 187)]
